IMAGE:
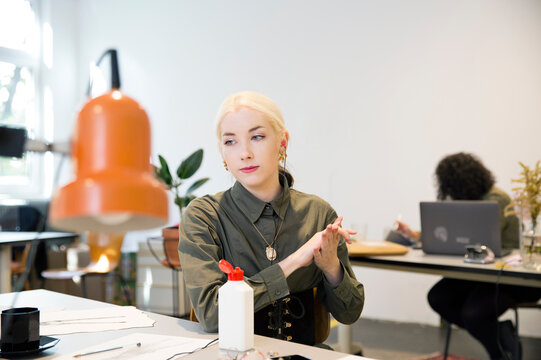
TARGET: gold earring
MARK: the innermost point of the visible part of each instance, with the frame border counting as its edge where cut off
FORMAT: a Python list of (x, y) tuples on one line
[(282, 156), (225, 166)]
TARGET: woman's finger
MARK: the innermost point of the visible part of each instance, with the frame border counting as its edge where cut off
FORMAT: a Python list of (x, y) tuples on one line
[(345, 233)]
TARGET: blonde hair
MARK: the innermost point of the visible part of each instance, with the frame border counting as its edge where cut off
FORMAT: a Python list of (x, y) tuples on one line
[(255, 101), (262, 104)]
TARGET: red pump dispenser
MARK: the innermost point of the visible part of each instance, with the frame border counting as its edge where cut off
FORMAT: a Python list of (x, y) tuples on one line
[(236, 274)]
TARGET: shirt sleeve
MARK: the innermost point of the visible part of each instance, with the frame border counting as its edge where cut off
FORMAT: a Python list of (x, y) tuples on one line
[(509, 225), (345, 301), (200, 251)]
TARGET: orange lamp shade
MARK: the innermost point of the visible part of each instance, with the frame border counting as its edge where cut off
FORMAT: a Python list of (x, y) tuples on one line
[(115, 189)]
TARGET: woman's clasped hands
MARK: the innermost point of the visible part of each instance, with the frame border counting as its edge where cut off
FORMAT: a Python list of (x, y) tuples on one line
[(322, 250)]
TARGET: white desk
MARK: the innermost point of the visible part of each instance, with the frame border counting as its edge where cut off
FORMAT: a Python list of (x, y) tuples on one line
[(164, 325), (450, 266), (10, 238)]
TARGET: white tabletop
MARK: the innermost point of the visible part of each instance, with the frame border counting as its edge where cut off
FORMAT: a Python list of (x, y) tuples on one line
[(451, 266), (15, 237), (164, 325)]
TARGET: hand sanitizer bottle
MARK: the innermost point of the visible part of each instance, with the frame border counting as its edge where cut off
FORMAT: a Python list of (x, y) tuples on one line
[(235, 311)]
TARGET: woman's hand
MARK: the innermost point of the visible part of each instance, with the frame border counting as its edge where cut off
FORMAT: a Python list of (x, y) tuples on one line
[(324, 245), (302, 257), (345, 233), (326, 240), (405, 230), (326, 256)]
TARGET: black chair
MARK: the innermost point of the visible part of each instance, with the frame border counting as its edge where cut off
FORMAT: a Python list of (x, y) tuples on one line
[(511, 332), (24, 218)]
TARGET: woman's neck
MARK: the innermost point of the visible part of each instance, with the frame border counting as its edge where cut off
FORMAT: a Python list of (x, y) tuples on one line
[(267, 192)]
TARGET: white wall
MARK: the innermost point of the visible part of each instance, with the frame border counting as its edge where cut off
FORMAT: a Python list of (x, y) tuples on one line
[(374, 94)]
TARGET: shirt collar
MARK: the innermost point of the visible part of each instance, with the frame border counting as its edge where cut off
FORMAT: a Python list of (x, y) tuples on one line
[(253, 207)]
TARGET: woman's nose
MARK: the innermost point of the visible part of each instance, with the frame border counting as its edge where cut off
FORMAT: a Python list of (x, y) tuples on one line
[(246, 153)]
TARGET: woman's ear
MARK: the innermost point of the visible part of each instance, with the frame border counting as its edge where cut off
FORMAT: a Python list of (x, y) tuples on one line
[(285, 140)]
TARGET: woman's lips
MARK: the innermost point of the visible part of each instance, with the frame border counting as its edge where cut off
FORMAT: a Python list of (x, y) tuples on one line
[(249, 169)]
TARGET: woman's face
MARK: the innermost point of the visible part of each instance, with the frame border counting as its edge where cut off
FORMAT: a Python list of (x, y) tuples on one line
[(250, 147)]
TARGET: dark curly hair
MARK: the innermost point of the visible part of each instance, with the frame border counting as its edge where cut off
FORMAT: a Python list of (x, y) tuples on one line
[(463, 176)]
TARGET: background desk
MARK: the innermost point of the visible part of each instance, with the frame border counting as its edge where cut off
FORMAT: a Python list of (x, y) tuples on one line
[(417, 261), (10, 238), (450, 266), (164, 325)]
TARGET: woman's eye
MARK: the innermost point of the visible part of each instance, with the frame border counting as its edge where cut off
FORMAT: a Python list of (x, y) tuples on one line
[(258, 137), (228, 142)]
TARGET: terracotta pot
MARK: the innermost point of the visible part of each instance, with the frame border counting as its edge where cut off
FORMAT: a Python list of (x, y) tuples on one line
[(170, 246), (170, 232)]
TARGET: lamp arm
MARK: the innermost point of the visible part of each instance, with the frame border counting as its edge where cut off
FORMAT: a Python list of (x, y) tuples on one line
[(115, 74), (14, 142), (42, 146)]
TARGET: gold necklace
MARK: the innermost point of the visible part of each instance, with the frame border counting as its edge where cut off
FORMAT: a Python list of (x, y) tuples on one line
[(270, 251)]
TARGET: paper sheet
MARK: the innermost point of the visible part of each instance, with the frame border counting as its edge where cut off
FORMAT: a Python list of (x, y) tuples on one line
[(92, 320), (152, 347)]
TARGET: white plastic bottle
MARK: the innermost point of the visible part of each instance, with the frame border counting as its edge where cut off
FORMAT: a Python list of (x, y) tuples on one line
[(235, 311)]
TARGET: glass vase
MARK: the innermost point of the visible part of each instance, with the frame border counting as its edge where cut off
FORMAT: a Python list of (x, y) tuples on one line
[(531, 247)]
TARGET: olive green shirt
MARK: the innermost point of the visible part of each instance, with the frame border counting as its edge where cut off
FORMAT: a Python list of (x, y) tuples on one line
[(509, 224), (222, 226)]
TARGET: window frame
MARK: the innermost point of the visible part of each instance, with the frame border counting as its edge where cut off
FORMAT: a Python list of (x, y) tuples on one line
[(33, 59)]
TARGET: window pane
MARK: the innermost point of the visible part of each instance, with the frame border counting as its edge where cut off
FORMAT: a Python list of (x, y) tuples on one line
[(18, 28), (17, 95), (14, 171)]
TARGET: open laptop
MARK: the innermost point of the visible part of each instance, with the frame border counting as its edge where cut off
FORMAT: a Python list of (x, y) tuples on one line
[(448, 226)]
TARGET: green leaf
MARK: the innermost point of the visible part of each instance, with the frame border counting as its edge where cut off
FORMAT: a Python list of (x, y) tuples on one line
[(190, 165), (183, 201), (196, 185), (157, 173), (164, 174), (162, 177), (187, 199)]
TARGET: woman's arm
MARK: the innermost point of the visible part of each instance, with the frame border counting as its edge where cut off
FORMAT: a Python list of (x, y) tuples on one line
[(340, 291), (405, 230), (344, 301)]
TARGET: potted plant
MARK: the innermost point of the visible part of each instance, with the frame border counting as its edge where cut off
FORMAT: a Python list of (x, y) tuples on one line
[(185, 170), (527, 204)]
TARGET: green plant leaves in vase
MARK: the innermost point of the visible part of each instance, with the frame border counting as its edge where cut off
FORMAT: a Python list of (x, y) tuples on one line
[(187, 168), (527, 199)]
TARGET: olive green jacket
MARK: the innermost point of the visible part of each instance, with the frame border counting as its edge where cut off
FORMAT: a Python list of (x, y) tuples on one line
[(509, 224), (222, 226)]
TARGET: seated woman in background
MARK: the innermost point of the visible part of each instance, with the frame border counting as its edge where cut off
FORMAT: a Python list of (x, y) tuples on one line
[(287, 242), (471, 304)]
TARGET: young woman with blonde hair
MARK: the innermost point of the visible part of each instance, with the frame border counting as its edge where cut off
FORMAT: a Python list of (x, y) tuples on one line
[(287, 242)]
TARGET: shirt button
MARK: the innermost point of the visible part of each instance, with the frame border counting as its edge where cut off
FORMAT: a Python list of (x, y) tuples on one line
[(277, 292)]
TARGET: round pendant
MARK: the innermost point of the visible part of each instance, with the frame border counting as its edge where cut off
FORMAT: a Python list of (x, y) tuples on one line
[(271, 253)]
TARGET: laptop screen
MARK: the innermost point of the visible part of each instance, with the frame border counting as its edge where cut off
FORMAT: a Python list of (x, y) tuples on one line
[(448, 226)]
